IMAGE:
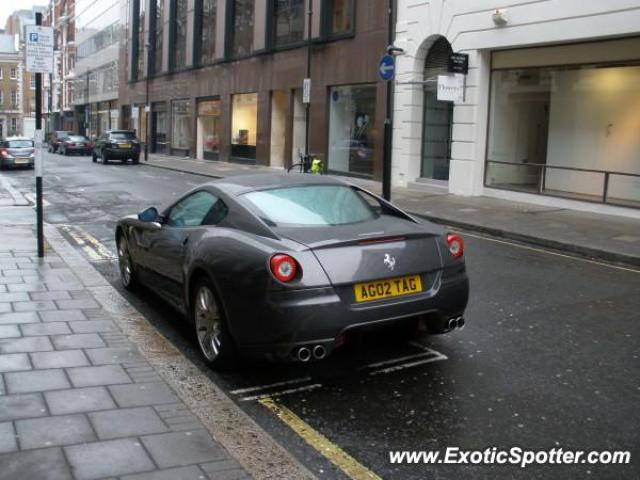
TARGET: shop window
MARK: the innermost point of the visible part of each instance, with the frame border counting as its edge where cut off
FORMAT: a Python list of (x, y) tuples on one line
[(179, 34), (560, 130), (242, 28), (339, 17), (244, 125), (159, 127), (181, 125), (209, 129), (288, 22), (206, 27), (352, 114)]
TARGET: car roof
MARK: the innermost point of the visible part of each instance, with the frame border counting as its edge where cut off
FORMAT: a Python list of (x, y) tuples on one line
[(240, 184), (18, 138), (119, 131)]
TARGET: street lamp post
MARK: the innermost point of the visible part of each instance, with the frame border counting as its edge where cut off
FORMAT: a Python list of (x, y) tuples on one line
[(308, 76)]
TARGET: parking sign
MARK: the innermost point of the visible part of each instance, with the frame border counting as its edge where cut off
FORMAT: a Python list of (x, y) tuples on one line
[(39, 49)]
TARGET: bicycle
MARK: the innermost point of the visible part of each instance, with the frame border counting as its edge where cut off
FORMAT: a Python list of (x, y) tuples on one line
[(308, 164)]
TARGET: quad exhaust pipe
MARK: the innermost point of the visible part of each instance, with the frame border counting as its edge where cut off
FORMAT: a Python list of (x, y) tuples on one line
[(304, 354), (455, 322)]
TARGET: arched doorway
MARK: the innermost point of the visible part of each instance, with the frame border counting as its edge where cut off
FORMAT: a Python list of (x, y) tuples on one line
[(438, 116)]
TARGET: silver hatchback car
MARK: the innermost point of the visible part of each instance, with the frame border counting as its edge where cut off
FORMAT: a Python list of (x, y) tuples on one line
[(17, 152)]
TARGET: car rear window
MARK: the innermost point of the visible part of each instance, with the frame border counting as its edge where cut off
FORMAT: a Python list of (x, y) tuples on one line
[(20, 143), (311, 205), (77, 138), (123, 135)]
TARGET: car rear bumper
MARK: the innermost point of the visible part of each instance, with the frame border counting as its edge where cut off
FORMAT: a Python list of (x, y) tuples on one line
[(122, 153), (85, 150), (318, 316), (16, 163)]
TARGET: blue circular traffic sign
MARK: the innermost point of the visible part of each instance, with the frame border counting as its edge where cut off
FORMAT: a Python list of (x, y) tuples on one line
[(387, 67)]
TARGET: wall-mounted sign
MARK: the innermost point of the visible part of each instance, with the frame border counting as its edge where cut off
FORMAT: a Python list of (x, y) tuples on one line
[(451, 87), (458, 63), (387, 68), (306, 90), (39, 49)]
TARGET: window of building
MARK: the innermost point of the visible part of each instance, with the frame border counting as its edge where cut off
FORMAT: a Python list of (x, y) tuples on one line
[(242, 28), (14, 99), (158, 27), (244, 125), (352, 114), (206, 31), (339, 19), (209, 128), (181, 124), (545, 123), (1, 103), (288, 22), (12, 74), (140, 61), (179, 34), (32, 82), (1, 73), (14, 126)]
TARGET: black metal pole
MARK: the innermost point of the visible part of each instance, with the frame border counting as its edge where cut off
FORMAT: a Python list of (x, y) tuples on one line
[(308, 106), (39, 207), (388, 125), (146, 120)]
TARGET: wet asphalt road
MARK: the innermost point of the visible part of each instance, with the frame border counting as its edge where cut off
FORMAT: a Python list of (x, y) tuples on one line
[(549, 357)]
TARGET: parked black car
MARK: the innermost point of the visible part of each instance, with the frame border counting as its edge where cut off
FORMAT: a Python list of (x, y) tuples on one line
[(75, 144), (116, 145), (293, 266), (56, 138), (17, 152)]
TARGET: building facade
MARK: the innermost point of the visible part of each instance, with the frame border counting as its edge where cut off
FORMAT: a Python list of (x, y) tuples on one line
[(549, 111), (98, 27), (18, 85), (223, 79), (11, 87), (59, 86)]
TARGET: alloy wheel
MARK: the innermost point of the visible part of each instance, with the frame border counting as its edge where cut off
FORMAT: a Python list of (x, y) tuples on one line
[(126, 272), (208, 323)]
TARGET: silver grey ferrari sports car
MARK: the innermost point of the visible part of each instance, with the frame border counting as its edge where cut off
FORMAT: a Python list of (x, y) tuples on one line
[(293, 266)]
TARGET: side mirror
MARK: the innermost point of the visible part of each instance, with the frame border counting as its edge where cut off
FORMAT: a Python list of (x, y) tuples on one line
[(149, 215)]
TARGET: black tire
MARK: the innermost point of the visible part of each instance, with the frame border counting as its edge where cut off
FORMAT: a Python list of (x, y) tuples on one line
[(126, 266), (210, 324), (136, 160), (64, 152), (94, 159), (105, 159)]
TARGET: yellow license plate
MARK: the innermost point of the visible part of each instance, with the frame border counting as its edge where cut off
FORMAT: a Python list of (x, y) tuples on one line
[(392, 287), (124, 145)]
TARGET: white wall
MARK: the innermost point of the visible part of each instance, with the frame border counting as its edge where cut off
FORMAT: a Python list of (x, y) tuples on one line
[(468, 25)]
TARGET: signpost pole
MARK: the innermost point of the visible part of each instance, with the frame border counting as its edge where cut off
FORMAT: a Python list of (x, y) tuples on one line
[(307, 82), (388, 125), (38, 159)]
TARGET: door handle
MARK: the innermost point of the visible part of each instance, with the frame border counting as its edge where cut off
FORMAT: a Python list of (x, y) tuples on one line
[(185, 241)]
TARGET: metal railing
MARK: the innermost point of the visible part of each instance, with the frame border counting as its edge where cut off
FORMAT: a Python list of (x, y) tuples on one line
[(543, 175)]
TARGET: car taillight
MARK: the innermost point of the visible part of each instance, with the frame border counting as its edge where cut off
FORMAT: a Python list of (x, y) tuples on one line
[(455, 244), (283, 267), (4, 152)]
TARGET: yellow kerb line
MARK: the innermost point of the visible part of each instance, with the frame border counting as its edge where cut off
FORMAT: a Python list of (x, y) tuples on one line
[(319, 442)]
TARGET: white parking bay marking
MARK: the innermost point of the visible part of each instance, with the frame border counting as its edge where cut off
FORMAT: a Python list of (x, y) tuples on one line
[(427, 355), (257, 388)]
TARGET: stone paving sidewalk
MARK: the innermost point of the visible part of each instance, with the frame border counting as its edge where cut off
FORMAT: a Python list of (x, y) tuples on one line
[(77, 398), (594, 235)]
